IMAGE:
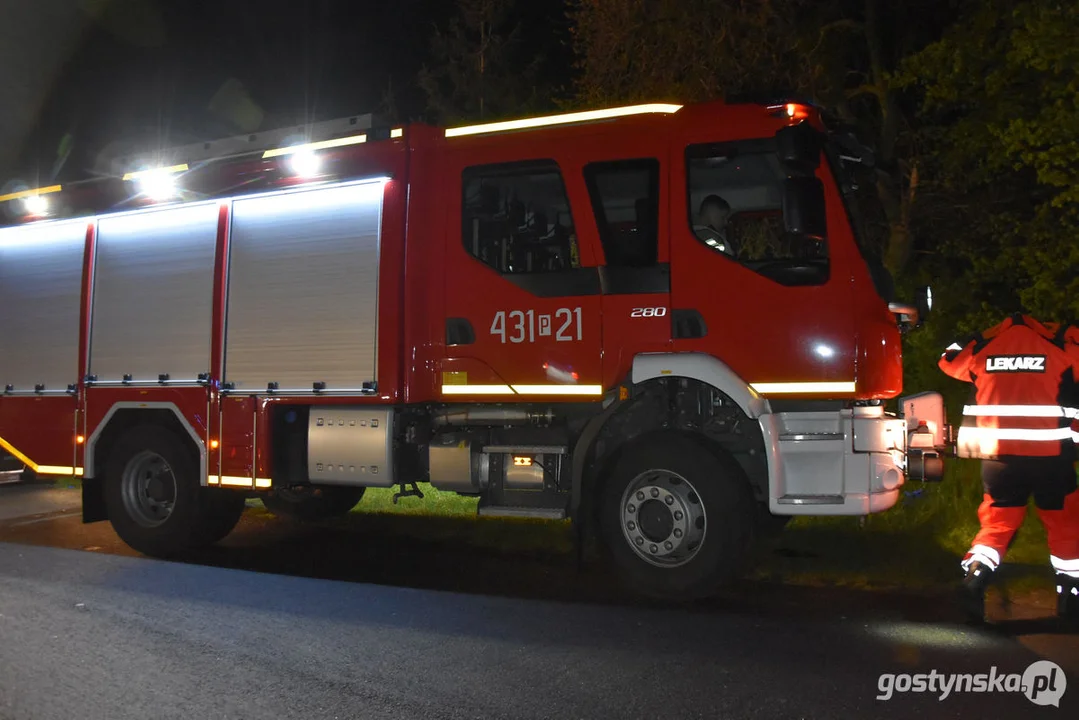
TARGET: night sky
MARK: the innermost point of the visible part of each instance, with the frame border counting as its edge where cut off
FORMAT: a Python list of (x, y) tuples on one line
[(147, 70)]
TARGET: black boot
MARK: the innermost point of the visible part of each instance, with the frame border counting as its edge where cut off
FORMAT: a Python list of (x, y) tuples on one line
[(1068, 598), (972, 591)]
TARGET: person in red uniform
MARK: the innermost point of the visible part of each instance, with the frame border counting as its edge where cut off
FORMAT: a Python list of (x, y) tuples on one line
[(1025, 377)]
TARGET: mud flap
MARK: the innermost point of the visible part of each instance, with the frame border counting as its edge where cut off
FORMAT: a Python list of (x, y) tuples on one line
[(93, 500)]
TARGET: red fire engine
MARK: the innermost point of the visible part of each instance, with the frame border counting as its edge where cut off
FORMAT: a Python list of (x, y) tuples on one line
[(656, 317)]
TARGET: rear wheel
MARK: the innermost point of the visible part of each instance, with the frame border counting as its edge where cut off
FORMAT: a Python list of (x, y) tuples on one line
[(154, 498), (310, 503), (677, 517), (224, 509)]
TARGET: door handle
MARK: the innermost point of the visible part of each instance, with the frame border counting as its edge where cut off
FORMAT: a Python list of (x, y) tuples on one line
[(686, 324)]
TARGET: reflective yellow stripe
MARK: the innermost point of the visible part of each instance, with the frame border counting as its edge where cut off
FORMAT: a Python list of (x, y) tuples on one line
[(310, 147), (40, 469), (476, 390), (23, 194), (237, 481), (56, 470), (558, 389), (591, 390), (564, 119), (791, 388), (13, 451), (155, 171)]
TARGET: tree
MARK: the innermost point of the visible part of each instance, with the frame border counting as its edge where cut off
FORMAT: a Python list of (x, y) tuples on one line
[(480, 67), (630, 50), (1001, 131)]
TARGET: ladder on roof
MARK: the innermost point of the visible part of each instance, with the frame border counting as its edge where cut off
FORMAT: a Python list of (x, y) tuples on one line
[(247, 143)]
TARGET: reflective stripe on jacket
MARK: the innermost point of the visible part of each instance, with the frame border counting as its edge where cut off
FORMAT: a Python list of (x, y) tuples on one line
[(1025, 379)]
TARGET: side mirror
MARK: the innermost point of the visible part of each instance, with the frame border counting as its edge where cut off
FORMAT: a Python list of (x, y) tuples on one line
[(803, 207), (799, 146), (924, 301)]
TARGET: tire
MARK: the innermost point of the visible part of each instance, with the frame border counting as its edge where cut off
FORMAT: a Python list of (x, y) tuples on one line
[(152, 492), (312, 504), (688, 488), (225, 508)]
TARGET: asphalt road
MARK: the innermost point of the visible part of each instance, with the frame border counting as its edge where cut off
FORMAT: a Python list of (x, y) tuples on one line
[(93, 634)]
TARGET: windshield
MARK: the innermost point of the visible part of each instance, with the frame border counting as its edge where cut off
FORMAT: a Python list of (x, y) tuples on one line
[(868, 218)]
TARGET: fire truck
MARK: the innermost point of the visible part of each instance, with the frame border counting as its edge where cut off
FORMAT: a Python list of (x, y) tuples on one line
[(659, 321)]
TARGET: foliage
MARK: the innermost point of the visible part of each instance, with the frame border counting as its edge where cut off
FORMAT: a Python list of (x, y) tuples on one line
[(1001, 132), (688, 50), (479, 68)]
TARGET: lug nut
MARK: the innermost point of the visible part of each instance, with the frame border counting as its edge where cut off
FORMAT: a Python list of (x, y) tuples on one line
[(640, 495), (678, 532), (677, 514), (631, 508), (655, 492), (670, 500), (668, 545), (654, 549), (639, 541), (631, 526)]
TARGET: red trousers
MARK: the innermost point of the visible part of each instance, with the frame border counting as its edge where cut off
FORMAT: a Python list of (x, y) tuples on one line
[(1008, 484)]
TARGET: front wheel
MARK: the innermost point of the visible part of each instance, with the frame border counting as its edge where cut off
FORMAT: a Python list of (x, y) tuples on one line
[(677, 517)]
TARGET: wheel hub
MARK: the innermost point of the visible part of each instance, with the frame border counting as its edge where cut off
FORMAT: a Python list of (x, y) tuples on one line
[(656, 520), (663, 519), (148, 489)]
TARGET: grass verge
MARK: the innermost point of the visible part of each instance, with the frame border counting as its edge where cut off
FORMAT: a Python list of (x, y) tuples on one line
[(917, 544)]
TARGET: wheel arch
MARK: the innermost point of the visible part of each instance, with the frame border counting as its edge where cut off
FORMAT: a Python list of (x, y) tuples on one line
[(120, 418), (705, 369), (650, 371), (125, 415)]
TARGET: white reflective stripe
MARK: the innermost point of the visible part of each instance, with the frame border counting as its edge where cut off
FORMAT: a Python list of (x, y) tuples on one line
[(985, 555), (989, 553), (953, 347), (476, 390), (1065, 567), (799, 388), (984, 433), (1019, 410), (588, 390)]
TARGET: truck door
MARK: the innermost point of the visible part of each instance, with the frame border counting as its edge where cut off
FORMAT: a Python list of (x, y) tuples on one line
[(522, 304), (629, 203), (775, 307)]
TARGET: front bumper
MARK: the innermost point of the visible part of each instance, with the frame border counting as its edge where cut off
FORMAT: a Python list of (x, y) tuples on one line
[(850, 462)]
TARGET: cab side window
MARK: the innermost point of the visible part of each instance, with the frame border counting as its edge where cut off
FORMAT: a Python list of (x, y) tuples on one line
[(625, 200), (735, 195), (516, 218)]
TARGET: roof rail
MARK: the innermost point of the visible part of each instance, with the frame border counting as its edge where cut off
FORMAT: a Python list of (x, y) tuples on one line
[(243, 144)]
